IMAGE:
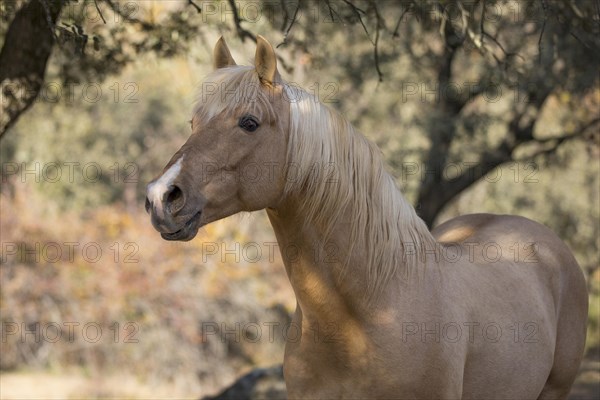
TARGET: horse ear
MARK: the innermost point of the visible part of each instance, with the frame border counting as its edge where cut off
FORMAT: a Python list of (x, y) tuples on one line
[(265, 60), (221, 55)]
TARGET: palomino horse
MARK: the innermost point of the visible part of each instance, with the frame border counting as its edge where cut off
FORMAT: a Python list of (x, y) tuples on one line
[(484, 307)]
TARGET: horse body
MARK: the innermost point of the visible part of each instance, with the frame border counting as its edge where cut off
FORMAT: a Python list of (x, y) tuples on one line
[(483, 307), (458, 328)]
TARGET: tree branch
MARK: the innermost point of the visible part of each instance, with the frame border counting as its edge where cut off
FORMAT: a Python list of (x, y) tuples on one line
[(395, 34), (332, 12), (289, 28), (481, 23), (545, 8), (242, 33), (117, 10), (577, 134), (357, 11), (378, 26), (99, 12), (559, 140), (196, 6)]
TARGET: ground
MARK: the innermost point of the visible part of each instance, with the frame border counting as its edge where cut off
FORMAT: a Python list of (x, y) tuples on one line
[(43, 385)]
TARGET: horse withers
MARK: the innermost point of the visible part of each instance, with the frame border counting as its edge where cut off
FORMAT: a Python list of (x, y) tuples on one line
[(484, 307)]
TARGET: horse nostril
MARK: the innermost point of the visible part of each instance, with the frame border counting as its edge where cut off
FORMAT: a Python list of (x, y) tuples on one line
[(148, 205), (174, 199)]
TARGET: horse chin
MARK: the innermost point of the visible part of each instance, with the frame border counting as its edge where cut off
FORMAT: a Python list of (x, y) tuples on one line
[(187, 233)]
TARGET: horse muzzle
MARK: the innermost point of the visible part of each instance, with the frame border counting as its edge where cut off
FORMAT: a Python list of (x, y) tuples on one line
[(172, 213)]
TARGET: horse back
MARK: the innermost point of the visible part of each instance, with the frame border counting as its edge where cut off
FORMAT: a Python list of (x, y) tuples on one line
[(522, 275), (509, 240)]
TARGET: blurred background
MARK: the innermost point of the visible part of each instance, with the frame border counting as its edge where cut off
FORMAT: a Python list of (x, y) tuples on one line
[(477, 106)]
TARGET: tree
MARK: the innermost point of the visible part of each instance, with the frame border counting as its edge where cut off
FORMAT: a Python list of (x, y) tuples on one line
[(472, 52), (27, 46), (533, 51), (84, 42)]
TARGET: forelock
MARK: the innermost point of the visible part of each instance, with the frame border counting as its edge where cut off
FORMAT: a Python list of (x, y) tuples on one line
[(234, 90)]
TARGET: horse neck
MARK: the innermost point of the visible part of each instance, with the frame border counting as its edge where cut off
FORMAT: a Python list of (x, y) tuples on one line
[(342, 231), (329, 283)]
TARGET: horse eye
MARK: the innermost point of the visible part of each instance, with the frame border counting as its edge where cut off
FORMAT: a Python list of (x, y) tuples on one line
[(248, 123)]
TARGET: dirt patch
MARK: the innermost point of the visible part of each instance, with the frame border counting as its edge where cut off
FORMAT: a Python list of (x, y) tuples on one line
[(76, 385)]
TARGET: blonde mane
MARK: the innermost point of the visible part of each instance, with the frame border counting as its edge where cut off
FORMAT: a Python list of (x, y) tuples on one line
[(336, 171)]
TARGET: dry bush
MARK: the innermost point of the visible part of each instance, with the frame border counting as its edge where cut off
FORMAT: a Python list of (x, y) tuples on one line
[(168, 312)]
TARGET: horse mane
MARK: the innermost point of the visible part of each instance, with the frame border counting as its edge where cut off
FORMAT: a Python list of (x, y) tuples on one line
[(337, 170)]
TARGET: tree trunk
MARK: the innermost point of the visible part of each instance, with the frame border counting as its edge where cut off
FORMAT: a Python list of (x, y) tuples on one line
[(27, 46)]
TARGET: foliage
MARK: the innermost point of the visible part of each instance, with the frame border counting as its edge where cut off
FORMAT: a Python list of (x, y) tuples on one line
[(104, 142), (140, 296)]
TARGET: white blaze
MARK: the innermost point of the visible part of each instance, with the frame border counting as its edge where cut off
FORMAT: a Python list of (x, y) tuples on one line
[(156, 190)]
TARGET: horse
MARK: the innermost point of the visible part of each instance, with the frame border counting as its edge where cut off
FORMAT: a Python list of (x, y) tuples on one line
[(482, 307)]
